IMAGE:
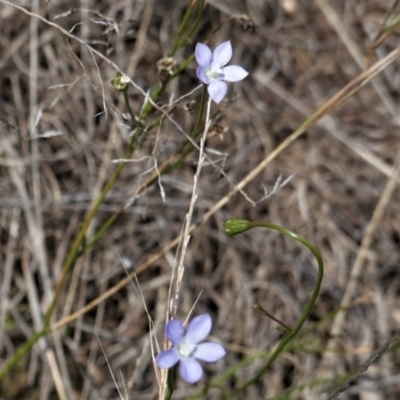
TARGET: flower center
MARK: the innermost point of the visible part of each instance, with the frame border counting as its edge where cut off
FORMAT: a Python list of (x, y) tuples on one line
[(214, 73), (186, 349)]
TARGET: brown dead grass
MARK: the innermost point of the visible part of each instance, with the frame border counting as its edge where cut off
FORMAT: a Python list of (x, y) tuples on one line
[(296, 61)]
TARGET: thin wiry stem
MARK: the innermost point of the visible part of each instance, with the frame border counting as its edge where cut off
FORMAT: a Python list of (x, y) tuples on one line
[(188, 220), (110, 369), (166, 386)]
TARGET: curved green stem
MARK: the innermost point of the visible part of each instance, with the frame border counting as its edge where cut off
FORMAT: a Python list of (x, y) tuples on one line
[(293, 346), (235, 226)]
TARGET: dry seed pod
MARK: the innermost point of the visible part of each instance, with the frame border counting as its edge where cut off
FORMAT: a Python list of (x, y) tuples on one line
[(246, 21), (216, 130), (165, 68), (189, 106)]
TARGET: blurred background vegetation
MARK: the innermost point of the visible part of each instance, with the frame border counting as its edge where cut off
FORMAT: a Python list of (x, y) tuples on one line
[(62, 124)]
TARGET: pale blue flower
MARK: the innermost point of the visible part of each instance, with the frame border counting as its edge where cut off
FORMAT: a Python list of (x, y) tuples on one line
[(186, 348), (212, 70)]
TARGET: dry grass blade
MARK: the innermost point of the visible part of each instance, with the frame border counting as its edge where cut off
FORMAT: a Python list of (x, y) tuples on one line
[(375, 222), (353, 49), (364, 366)]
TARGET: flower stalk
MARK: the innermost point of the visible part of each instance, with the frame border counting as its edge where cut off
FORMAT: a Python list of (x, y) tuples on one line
[(235, 226)]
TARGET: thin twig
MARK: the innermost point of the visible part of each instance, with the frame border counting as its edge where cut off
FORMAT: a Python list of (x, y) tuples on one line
[(184, 240), (189, 215), (365, 245), (364, 366)]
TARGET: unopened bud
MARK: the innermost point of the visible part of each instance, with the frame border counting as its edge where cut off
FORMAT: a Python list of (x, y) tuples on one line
[(120, 82), (235, 226)]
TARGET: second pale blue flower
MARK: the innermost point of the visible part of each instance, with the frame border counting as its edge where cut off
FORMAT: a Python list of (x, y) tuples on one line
[(187, 349)]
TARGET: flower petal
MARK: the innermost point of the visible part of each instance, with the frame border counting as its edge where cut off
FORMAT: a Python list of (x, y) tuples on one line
[(209, 352), (234, 73), (190, 370), (217, 90), (175, 331), (200, 326), (202, 75), (222, 54), (167, 358), (203, 55)]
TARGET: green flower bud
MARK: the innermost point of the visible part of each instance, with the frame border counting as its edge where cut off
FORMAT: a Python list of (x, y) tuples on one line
[(235, 226), (120, 82)]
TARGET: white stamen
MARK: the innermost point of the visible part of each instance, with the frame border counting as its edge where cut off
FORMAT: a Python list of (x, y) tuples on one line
[(186, 349), (214, 73)]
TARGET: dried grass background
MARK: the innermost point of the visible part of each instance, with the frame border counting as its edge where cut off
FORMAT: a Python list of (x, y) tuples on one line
[(300, 54)]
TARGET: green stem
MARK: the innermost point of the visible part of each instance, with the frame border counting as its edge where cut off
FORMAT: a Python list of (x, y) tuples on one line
[(389, 27), (78, 248), (235, 226), (21, 351), (195, 23), (128, 106), (196, 129), (81, 238), (170, 385), (74, 253), (185, 152), (182, 67), (148, 106), (181, 28)]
